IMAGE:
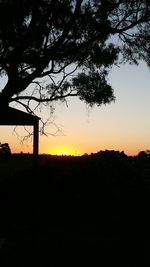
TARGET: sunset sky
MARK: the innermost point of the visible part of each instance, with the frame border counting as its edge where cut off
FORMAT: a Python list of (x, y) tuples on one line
[(123, 125)]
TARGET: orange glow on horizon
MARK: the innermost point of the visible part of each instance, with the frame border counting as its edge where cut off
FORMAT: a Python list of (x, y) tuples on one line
[(68, 150)]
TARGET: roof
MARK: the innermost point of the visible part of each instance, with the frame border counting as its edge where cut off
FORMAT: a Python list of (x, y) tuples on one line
[(12, 116)]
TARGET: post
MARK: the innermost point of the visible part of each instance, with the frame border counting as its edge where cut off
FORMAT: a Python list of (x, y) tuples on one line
[(35, 193), (36, 139)]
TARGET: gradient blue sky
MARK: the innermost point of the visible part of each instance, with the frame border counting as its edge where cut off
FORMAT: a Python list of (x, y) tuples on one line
[(123, 125)]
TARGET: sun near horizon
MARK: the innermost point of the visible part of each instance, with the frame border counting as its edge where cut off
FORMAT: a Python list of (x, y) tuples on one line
[(64, 151)]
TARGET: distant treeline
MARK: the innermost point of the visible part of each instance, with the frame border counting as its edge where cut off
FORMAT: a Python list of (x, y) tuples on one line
[(104, 166)]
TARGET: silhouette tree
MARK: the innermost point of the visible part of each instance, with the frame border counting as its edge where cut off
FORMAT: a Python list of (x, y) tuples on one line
[(72, 43)]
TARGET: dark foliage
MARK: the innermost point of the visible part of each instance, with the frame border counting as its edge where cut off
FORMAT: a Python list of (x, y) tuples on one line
[(5, 151), (90, 210), (58, 39)]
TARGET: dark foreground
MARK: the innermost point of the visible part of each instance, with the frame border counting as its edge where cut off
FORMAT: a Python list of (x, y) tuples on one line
[(93, 210)]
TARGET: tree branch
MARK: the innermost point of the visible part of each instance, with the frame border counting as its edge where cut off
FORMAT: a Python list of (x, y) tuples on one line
[(36, 99), (132, 25)]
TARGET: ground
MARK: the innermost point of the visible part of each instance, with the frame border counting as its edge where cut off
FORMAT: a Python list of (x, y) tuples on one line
[(91, 210)]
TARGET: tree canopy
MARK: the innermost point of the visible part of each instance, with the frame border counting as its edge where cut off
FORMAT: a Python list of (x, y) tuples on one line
[(72, 43)]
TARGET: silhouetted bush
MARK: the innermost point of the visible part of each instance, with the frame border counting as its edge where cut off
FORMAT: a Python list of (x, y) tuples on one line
[(5, 151)]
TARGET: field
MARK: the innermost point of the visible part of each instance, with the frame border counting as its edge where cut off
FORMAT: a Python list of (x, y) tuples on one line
[(90, 210), (14, 165)]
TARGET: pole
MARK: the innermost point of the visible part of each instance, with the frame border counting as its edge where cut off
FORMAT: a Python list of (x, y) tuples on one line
[(35, 193)]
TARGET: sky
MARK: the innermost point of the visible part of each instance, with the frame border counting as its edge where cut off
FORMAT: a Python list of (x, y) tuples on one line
[(123, 125)]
